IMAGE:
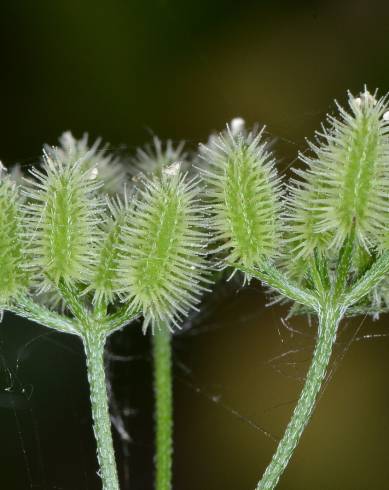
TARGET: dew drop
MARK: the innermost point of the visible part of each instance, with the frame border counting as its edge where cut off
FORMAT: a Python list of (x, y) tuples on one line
[(237, 125), (172, 169), (2, 169), (93, 173)]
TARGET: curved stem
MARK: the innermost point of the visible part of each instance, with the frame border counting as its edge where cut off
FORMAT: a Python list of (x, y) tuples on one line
[(163, 408), (93, 327), (329, 318), (27, 308), (94, 348), (277, 280), (122, 317), (368, 281)]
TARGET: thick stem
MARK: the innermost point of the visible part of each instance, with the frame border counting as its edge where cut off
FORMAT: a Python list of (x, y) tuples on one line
[(329, 318), (94, 348), (163, 408)]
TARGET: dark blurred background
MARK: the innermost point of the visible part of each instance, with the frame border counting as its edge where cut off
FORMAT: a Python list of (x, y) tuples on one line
[(124, 70)]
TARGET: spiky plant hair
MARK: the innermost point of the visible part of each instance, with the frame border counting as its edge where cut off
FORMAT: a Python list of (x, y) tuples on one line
[(107, 167), (244, 193), (105, 274), (62, 216), (157, 155), (162, 265), (13, 277), (346, 181)]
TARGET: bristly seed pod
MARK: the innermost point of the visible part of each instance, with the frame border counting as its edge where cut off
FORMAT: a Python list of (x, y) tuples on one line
[(13, 277), (107, 168), (104, 278), (244, 194), (346, 183), (162, 270), (63, 213), (156, 156)]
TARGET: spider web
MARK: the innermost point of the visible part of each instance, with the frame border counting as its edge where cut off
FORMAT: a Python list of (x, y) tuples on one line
[(295, 344)]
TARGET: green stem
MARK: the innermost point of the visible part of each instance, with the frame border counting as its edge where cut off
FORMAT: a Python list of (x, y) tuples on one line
[(277, 280), (163, 408), (27, 308), (93, 327), (122, 317), (94, 348), (368, 281), (329, 318), (71, 297)]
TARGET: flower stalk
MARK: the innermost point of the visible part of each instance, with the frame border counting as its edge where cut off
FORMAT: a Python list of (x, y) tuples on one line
[(329, 318), (94, 349), (162, 357), (332, 307), (323, 245)]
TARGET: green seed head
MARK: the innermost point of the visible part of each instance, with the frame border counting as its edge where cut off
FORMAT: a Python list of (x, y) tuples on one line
[(161, 269), (154, 157), (105, 274), (63, 214), (346, 182), (106, 168), (13, 278), (244, 194)]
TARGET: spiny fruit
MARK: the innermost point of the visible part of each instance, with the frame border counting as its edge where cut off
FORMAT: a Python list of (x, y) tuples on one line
[(13, 277), (156, 156), (105, 274), (107, 168), (346, 183), (161, 269), (244, 193), (63, 213)]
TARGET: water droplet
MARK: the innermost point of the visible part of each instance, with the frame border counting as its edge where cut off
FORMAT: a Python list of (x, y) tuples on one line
[(93, 173), (237, 125), (2, 169), (172, 169)]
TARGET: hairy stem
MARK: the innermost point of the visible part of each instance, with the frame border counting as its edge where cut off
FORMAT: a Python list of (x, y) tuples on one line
[(122, 317), (71, 297), (94, 348), (27, 308), (274, 278), (329, 318), (368, 281), (163, 408)]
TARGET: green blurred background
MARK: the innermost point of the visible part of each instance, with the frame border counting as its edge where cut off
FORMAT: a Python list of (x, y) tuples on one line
[(124, 70)]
